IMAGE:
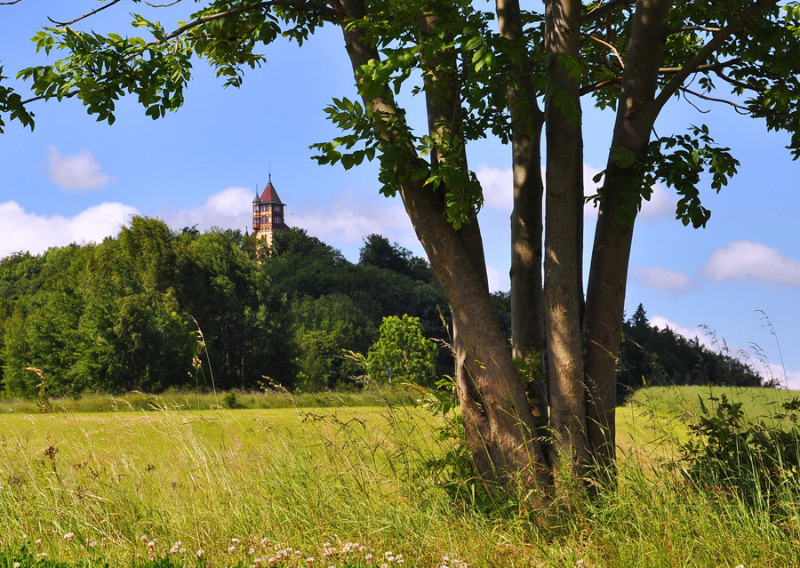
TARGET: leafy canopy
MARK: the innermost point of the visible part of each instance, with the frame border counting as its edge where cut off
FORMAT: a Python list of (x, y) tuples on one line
[(752, 70)]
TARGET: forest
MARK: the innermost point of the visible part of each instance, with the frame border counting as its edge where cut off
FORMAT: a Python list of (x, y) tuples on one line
[(155, 309)]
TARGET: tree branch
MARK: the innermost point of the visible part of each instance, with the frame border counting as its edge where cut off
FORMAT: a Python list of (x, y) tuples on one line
[(78, 19), (716, 67), (9, 3), (186, 27), (611, 47), (701, 56), (240, 10), (599, 85), (736, 83), (739, 108), (603, 10), (695, 29), (167, 5)]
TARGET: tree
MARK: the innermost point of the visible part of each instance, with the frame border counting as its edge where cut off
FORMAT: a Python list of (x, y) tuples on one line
[(378, 251), (245, 324), (324, 328), (536, 71), (402, 352)]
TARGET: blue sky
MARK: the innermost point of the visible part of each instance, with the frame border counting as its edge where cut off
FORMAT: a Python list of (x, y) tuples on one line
[(76, 180)]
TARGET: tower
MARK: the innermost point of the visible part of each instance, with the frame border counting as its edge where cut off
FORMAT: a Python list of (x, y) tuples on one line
[(267, 215)]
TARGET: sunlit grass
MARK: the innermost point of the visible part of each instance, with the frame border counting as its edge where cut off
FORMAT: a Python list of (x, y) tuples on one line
[(275, 479), (376, 395)]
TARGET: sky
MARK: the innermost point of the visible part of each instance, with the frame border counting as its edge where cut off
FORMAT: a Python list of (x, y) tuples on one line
[(735, 285)]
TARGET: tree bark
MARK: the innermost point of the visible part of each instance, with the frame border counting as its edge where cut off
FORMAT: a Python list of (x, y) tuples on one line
[(608, 274), (563, 291), (527, 307), (508, 446), (443, 105)]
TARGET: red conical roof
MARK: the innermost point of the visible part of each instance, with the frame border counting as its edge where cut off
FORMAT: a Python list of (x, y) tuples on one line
[(269, 195)]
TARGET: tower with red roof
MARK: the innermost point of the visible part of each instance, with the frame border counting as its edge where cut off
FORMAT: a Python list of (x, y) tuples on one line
[(267, 214)]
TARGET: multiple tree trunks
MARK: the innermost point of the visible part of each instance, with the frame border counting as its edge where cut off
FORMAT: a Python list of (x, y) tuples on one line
[(517, 432)]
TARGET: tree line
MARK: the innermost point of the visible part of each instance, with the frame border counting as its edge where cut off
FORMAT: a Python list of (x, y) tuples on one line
[(154, 309)]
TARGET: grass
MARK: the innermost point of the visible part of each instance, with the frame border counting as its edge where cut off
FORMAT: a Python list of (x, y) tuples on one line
[(187, 400), (303, 477)]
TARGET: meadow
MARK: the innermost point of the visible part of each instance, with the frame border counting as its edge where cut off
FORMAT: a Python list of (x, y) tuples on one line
[(195, 483)]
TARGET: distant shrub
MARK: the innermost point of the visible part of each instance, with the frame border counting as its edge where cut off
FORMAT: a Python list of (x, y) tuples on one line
[(756, 459), (230, 400)]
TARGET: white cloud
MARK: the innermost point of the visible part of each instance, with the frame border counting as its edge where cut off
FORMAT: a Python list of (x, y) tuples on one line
[(746, 260), (230, 208), (498, 187), (664, 279), (792, 380), (23, 231), (499, 194), (342, 222), (663, 323), (753, 356), (498, 281), (661, 204), (349, 217), (76, 172)]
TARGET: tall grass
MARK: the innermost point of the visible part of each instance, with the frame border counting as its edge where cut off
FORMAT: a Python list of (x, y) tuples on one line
[(187, 400), (305, 477)]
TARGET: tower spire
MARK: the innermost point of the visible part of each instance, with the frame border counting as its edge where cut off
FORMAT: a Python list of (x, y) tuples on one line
[(268, 214)]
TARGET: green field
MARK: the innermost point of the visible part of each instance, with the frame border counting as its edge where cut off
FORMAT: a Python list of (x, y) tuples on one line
[(128, 485)]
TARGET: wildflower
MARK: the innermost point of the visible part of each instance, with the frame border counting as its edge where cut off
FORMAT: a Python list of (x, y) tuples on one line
[(38, 543), (69, 536), (251, 551), (175, 548), (152, 558), (41, 555), (235, 541), (103, 544), (16, 564), (310, 560), (231, 549), (152, 545), (143, 538), (200, 552)]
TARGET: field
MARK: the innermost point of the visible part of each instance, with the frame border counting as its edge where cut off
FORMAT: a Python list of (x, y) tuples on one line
[(242, 486)]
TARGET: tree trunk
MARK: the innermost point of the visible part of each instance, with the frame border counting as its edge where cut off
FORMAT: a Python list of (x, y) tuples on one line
[(563, 225), (527, 308), (619, 202), (505, 441)]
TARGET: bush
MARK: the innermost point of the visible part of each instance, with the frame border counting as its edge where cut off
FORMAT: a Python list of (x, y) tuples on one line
[(402, 352), (758, 460)]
